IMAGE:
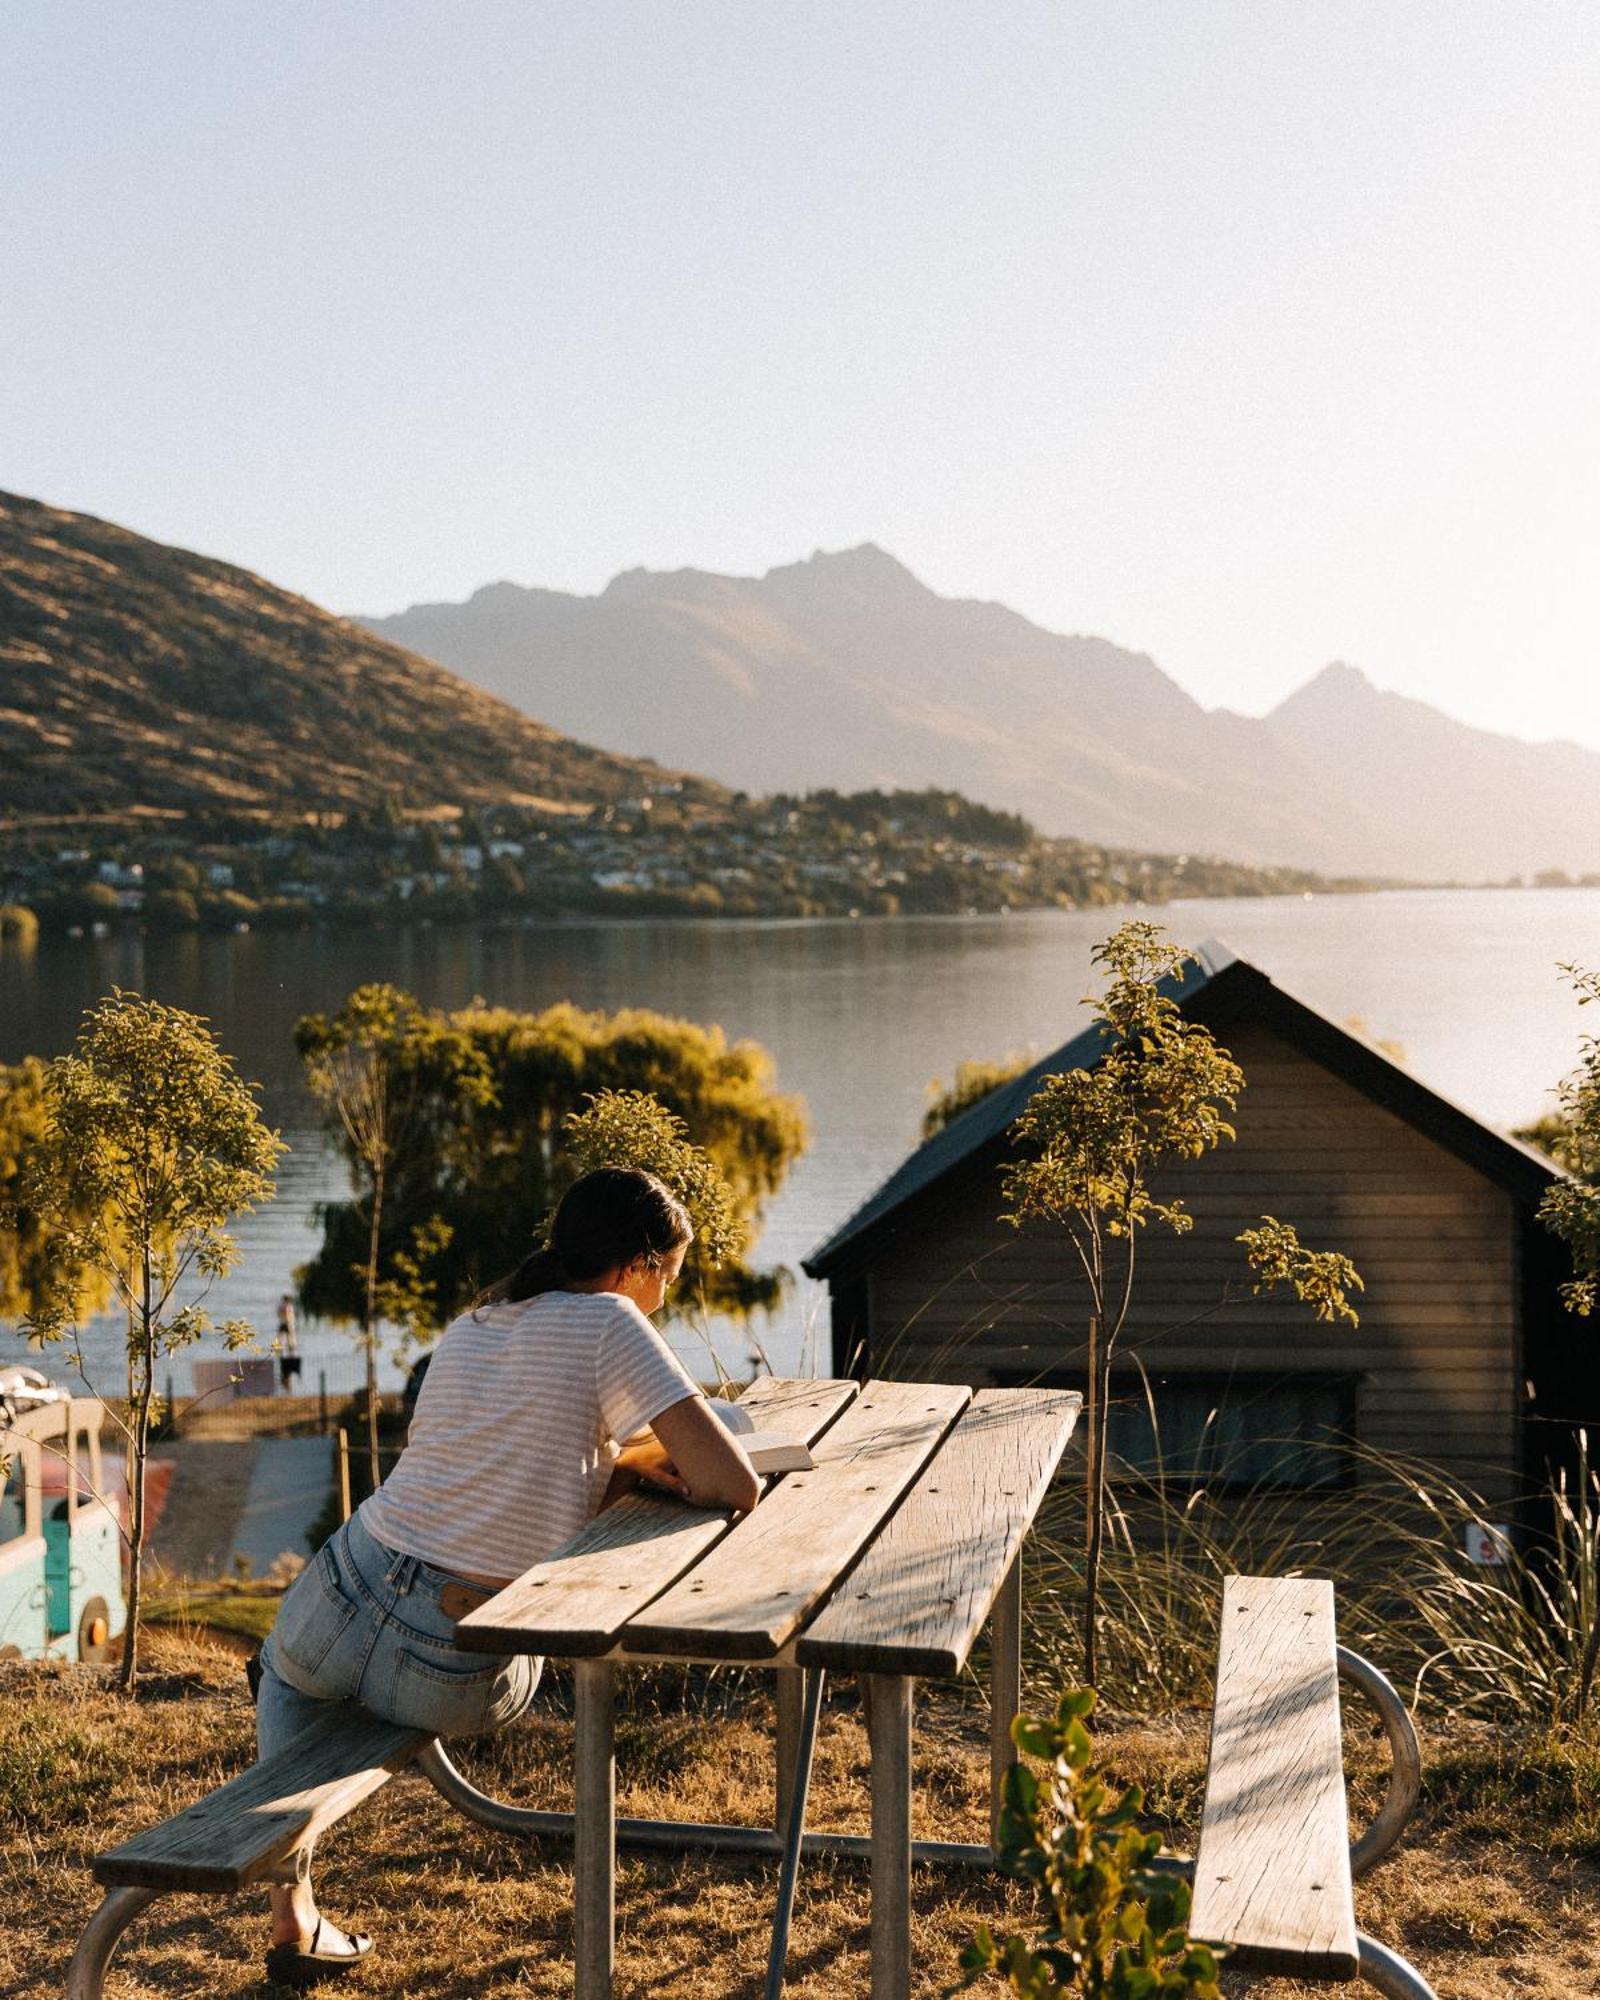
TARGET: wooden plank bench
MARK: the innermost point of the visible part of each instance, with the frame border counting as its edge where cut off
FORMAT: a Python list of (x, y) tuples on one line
[(259, 1827), (1274, 1867)]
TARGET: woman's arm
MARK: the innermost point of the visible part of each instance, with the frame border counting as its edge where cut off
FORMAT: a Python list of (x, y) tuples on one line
[(709, 1459)]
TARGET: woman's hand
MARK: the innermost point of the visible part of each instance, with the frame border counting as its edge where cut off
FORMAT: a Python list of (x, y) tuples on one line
[(707, 1456), (650, 1464)]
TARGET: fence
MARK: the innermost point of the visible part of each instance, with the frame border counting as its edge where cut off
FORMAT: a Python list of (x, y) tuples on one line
[(246, 1398)]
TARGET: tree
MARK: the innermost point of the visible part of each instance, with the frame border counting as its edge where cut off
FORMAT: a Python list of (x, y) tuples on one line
[(26, 1263), (395, 1082), (153, 1144), (1094, 1141), (490, 1165), (18, 925), (974, 1079), (630, 1128), (1571, 1135)]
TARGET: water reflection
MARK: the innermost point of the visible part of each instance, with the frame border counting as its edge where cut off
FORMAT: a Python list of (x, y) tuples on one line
[(860, 1017)]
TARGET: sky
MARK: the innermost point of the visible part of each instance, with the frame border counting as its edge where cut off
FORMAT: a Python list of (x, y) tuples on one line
[(1251, 334)]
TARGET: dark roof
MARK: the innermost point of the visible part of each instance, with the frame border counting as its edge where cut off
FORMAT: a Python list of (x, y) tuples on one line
[(1219, 988)]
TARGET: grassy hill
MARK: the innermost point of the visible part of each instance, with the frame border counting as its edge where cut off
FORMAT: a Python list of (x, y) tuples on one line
[(138, 678)]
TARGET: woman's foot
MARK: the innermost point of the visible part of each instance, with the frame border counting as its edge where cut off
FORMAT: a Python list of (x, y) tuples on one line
[(322, 1953)]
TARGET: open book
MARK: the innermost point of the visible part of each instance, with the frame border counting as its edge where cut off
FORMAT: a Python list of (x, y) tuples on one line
[(767, 1451)]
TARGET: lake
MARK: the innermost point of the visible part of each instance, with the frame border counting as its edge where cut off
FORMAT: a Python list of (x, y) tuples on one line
[(860, 1016)]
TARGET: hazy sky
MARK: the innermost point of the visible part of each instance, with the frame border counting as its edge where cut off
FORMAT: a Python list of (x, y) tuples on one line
[(1255, 335)]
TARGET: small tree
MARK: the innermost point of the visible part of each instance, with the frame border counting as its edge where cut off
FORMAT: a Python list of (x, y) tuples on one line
[(630, 1128), (1094, 1141), (153, 1145), (392, 1079)]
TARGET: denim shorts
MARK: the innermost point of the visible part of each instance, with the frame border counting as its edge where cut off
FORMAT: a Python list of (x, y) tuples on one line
[(362, 1623)]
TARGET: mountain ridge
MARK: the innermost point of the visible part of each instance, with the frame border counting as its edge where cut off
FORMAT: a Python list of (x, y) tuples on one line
[(137, 676), (844, 670)]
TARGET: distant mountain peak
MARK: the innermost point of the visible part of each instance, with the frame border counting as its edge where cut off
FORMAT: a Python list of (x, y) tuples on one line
[(1335, 687), (866, 566)]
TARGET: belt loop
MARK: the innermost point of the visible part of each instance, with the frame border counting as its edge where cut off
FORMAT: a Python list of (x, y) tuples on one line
[(402, 1571)]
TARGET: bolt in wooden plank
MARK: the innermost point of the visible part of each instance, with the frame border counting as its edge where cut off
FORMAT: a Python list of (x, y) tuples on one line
[(752, 1592), (575, 1604), (919, 1596), (1272, 1871)]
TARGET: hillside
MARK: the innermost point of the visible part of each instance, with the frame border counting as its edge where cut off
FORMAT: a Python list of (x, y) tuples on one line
[(846, 671), (137, 677)]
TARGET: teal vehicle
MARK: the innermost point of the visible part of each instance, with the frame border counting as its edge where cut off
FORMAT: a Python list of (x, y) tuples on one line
[(60, 1536)]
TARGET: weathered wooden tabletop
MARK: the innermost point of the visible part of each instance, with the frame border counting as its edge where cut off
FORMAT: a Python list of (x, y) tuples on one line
[(884, 1559)]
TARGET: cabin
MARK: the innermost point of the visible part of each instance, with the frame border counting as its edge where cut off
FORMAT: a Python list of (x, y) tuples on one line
[(1464, 1355)]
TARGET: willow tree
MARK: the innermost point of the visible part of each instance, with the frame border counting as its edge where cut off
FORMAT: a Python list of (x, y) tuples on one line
[(152, 1144), (482, 1169), (1094, 1143)]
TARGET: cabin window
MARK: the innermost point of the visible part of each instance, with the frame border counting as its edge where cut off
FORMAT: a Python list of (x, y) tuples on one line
[(1230, 1433), (1234, 1433)]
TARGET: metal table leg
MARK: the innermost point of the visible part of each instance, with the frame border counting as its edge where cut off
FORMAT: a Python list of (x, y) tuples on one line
[(594, 1831), (799, 1787), (1005, 1688), (889, 1735)]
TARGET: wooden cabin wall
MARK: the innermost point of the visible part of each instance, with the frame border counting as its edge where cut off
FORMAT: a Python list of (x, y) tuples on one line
[(959, 1294)]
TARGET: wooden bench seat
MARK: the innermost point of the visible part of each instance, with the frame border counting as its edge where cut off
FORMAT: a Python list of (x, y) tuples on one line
[(247, 1830), (259, 1827), (1272, 1873)]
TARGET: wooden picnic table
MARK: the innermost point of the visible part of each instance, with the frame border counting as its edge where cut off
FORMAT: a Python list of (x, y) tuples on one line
[(884, 1560)]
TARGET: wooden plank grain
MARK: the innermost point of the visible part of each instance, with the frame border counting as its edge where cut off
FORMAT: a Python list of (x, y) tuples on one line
[(239, 1833), (1272, 1871), (575, 1604), (752, 1592), (919, 1596)]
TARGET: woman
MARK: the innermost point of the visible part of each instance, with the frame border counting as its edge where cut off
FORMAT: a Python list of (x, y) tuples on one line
[(516, 1442)]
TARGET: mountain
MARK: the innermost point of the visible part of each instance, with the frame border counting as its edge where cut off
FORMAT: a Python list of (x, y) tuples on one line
[(135, 677), (846, 671)]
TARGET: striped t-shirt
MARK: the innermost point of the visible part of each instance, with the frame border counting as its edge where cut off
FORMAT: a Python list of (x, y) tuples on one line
[(516, 1429)]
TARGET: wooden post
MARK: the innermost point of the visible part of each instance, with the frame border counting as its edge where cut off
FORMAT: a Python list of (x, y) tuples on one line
[(322, 1401), (1005, 1687), (594, 1831), (344, 1474), (889, 1736), (789, 1698)]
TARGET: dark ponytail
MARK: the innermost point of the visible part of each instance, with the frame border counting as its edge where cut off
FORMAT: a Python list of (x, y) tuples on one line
[(609, 1219)]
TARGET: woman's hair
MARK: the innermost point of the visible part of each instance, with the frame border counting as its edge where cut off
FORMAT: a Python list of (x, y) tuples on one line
[(614, 1217)]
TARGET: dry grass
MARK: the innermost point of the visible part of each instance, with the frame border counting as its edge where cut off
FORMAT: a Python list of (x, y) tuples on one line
[(461, 1912)]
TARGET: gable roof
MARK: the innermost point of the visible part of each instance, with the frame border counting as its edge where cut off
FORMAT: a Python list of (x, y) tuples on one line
[(1220, 987)]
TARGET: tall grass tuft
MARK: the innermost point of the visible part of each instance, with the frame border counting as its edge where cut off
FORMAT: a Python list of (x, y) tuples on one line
[(1501, 1641)]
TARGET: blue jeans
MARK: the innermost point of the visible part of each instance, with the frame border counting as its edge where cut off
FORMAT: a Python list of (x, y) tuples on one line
[(361, 1624)]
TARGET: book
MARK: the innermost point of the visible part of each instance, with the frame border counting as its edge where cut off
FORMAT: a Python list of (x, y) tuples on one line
[(767, 1451)]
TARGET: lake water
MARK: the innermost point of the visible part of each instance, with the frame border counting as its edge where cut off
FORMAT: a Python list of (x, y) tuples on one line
[(860, 1016)]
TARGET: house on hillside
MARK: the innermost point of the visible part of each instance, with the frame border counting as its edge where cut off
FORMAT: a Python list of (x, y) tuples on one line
[(1464, 1355)]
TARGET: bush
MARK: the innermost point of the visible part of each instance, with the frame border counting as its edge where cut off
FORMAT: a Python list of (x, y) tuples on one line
[(1115, 1927), (18, 924)]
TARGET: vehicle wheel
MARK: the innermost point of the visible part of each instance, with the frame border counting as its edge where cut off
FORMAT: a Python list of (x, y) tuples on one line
[(94, 1633)]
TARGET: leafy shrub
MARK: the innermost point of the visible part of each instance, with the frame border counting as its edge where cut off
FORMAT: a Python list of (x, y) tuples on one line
[(1116, 1923)]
